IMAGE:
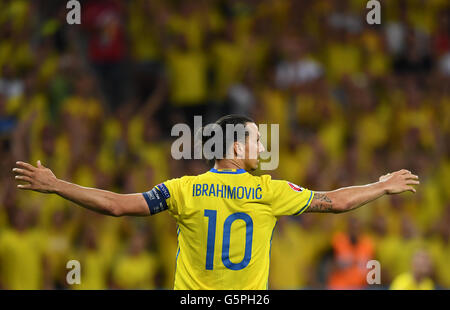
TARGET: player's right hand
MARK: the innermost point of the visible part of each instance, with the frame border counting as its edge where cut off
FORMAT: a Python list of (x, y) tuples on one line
[(399, 181), (40, 178)]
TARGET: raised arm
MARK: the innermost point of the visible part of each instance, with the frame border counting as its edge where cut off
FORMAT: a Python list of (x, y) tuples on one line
[(42, 179), (349, 198)]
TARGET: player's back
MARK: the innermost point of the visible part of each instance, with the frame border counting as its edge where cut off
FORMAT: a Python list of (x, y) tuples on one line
[(225, 223)]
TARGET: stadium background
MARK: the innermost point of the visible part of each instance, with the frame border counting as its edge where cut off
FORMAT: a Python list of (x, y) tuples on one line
[(95, 103)]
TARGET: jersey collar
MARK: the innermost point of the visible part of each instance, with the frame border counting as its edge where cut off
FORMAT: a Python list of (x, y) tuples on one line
[(228, 171)]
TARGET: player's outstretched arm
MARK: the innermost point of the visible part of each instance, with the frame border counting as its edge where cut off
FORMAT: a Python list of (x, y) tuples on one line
[(349, 198), (42, 179)]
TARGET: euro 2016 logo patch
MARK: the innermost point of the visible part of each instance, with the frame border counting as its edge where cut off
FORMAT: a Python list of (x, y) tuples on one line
[(295, 187)]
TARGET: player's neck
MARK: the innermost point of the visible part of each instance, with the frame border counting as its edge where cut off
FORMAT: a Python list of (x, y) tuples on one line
[(228, 164)]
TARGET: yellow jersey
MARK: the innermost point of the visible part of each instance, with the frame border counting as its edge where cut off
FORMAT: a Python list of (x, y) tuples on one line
[(225, 224), (406, 281)]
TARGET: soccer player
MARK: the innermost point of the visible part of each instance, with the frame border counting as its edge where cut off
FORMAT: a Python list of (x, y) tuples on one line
[(225, 216)]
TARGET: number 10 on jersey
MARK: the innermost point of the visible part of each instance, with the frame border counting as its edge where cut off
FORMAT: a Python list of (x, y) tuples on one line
[(211, 240)]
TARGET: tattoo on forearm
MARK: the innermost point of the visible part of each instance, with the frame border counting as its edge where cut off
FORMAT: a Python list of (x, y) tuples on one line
[(321, 203)]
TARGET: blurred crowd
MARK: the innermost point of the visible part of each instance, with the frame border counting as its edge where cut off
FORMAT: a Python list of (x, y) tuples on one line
[(96, 103)]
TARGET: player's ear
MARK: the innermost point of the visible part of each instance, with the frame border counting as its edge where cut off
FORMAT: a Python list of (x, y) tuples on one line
[(239, 149), (261, 147)]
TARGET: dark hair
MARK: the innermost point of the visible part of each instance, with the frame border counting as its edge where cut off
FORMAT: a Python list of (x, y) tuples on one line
[(231, 119)]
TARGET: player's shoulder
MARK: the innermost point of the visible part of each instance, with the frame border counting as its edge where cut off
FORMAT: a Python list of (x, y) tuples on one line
[(264, 181), (268, 180), (278, 185), (264, 178)]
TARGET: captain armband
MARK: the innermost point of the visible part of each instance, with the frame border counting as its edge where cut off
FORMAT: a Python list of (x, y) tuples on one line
[(156, 198)]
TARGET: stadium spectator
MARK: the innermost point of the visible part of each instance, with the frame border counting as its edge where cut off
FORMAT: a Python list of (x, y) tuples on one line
[(136, 268), (21, 254), (419, 277), (104, 24), (352, 251)]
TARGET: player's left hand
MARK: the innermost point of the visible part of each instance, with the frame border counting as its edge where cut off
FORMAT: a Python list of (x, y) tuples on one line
[(399, 181)]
